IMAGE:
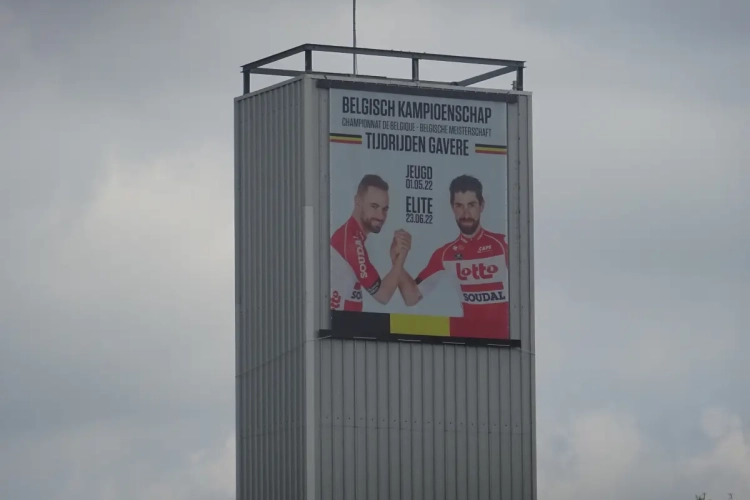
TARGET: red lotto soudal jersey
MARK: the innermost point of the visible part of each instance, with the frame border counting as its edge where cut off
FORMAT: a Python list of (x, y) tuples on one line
[(351, 269), (478, 267)]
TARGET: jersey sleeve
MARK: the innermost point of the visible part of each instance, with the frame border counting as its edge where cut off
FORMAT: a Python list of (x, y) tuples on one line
[(431, 274), (358, 259)]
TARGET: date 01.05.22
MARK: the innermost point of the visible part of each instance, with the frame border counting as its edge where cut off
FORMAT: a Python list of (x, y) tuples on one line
[(419, 177)]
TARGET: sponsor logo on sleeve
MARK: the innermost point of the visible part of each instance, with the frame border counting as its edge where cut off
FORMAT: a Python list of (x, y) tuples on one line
[(361, 260)]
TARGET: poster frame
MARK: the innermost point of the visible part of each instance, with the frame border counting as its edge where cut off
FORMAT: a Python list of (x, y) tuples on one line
[(342, 324)]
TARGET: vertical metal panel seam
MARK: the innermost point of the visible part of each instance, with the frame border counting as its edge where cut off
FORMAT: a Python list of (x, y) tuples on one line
[(374, 492), (238, 414), (282, 188), (355, 426), (295, 277), (532, 313), (279, 216), (249, 478), (247, 421), (478, 377), (241, 430), (296, 169), (506, 444), (401, 412), (268, 308), (287, 344), (281, 142), (260, 227), (444, 432), (273, 276), (248, 107), (516, 310), (248, 110), (303, 451), (300, 444), (251, 151), (408, 416), (257, 324), (524, 323), (300, 450), (284, 143), (295, 116), (265, 325)]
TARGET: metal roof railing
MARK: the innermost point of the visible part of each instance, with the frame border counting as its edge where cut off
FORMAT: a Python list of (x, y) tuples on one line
[(505, 65)]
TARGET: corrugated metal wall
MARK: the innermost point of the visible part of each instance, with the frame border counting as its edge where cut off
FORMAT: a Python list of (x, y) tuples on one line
[(269, 198), (390, 421), (405, 421)]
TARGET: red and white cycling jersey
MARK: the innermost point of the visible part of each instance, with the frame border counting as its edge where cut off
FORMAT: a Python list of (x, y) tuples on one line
[(351, 269), (478, 266)]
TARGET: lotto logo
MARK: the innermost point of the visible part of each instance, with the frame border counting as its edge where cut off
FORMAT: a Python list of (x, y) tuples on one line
[(476, 271)]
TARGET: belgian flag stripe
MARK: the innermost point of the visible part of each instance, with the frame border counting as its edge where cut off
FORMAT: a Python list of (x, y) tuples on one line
[(346, 138), (415, 328), (412, 324), (361, 324), (491, 149)]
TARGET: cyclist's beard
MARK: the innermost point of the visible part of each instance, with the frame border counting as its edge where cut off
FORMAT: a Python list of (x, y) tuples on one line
[(468, 225), (372, 226)]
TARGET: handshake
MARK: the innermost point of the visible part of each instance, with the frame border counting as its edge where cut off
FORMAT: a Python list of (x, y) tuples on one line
[(400, 246)]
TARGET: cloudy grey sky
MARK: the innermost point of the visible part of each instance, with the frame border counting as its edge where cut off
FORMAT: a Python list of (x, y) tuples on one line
[(116, 282)]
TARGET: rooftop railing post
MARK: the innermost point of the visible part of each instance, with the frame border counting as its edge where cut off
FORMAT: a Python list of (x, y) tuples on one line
[(415, 69), (308, 60), (519, 79)]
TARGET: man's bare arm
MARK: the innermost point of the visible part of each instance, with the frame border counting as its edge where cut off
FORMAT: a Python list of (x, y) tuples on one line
[(409, 289)]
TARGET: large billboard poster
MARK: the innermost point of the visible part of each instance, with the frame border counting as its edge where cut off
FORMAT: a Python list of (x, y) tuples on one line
[(418, 216)]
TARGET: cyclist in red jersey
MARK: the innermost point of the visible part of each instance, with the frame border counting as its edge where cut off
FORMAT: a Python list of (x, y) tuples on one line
[(351, 269), (476, 262)]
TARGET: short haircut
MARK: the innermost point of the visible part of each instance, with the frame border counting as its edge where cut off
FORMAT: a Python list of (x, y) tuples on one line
[(371, 180), (464, 183)]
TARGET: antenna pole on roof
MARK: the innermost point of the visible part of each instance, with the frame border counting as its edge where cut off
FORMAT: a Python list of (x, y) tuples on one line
[(354, 32)]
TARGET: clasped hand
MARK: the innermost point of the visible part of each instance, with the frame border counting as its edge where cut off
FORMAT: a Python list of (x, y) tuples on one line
[(400, 245)]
